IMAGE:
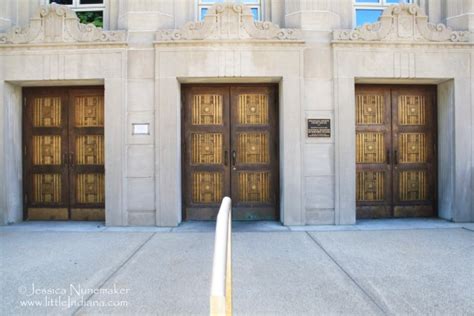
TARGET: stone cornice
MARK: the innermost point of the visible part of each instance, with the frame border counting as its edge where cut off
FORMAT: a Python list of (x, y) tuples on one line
[(231, 43), (228, 21), (58, 24), (402, 23), (401, 44)]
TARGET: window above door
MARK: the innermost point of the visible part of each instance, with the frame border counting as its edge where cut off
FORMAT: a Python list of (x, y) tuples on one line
[(88, 11), (204, 5), (369, 11)]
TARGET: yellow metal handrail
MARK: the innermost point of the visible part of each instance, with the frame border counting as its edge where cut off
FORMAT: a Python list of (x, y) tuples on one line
[(221, 286)]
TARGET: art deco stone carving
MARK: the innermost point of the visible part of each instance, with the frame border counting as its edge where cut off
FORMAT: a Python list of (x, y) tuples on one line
[(55, 23), (228, 21), (403, 22)]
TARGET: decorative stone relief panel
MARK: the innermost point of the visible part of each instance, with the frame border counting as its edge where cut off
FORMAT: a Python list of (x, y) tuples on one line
[(403, 22), (228, 21), (56, 23)]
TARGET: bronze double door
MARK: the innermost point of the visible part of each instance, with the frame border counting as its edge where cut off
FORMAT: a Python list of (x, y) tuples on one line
[(395, 151), (230, 148), (63, 138)]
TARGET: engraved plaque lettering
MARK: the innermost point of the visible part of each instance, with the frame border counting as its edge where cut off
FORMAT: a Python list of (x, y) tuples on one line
[(319, 128)]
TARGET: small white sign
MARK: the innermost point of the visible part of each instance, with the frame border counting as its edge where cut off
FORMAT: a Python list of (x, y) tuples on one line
[(140, 128)]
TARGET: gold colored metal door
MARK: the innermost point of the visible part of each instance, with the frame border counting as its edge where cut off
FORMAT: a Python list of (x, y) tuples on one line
[(45, 150), (230, 149), (86, 160), (254, 156), (205, 150), (63, 137), (373, 143), (414, 140), (395, 151)]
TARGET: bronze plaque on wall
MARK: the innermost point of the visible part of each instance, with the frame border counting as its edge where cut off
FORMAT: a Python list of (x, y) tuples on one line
[(319, 127)]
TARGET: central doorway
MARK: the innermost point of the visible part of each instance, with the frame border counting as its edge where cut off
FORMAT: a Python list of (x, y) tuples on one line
[(230, 148)]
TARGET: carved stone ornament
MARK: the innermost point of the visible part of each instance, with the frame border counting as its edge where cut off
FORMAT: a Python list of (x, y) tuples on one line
[(55, 23), (228, 21), (403, 22)]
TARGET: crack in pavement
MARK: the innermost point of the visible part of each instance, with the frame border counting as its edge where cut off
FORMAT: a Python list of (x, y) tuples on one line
[(364, 291), (120, 266)]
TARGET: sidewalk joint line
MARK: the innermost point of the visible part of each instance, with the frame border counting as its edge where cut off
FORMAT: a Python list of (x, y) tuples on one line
[(366, 293), (121, 265), (468, 229)]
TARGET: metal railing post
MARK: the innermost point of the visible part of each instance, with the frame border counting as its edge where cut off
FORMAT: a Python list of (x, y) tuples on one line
[(221, 286)]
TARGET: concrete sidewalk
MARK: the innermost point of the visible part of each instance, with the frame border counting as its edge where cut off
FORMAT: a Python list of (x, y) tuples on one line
[(375, 267)]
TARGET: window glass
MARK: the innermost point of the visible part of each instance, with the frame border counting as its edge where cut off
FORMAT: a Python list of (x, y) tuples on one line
[(255, 12), (91, 1), (94, 17), (367, 16), (63, 2), (88, 11), (204, 5), (203, 12), (369, 11)]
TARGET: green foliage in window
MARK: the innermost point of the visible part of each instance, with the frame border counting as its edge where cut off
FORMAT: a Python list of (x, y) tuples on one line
[(94, 17)]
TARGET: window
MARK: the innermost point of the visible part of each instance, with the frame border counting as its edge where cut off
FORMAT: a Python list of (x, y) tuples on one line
[(254, 5), (369, 11), (88, 11)]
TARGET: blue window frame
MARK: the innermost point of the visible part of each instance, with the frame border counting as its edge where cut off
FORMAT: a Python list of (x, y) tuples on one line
[(254, 5), (369, 11)]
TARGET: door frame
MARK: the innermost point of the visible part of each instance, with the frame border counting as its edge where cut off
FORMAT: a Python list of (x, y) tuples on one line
[(64, 92), (276, 99)]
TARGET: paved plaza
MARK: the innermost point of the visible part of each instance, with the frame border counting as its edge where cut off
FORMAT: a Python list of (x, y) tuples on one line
[(375, 267)]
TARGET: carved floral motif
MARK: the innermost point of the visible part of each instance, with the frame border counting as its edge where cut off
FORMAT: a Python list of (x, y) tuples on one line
[(55, 23), (228, 21), (403, 22)]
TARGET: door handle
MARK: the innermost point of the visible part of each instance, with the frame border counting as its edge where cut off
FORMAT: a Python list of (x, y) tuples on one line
[(226, 158), (388, 157), (65, 155), (71, 158), (234, 157), (396, 157)]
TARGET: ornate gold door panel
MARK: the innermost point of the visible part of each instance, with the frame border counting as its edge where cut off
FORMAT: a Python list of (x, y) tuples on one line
[(55, 152), (395, 157), (373, 141), (45, 149), (229, 149), (205, 150), (86, 160), (254, 156), (414, 139)]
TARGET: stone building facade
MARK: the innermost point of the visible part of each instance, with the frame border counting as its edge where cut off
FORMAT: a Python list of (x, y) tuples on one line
[(334, 144)]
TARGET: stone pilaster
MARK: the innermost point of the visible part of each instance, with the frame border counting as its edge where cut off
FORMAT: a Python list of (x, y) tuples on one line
[(317, 19), (146, 15), (142, 18), (5, 15), (460, 14), (315, 15)]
